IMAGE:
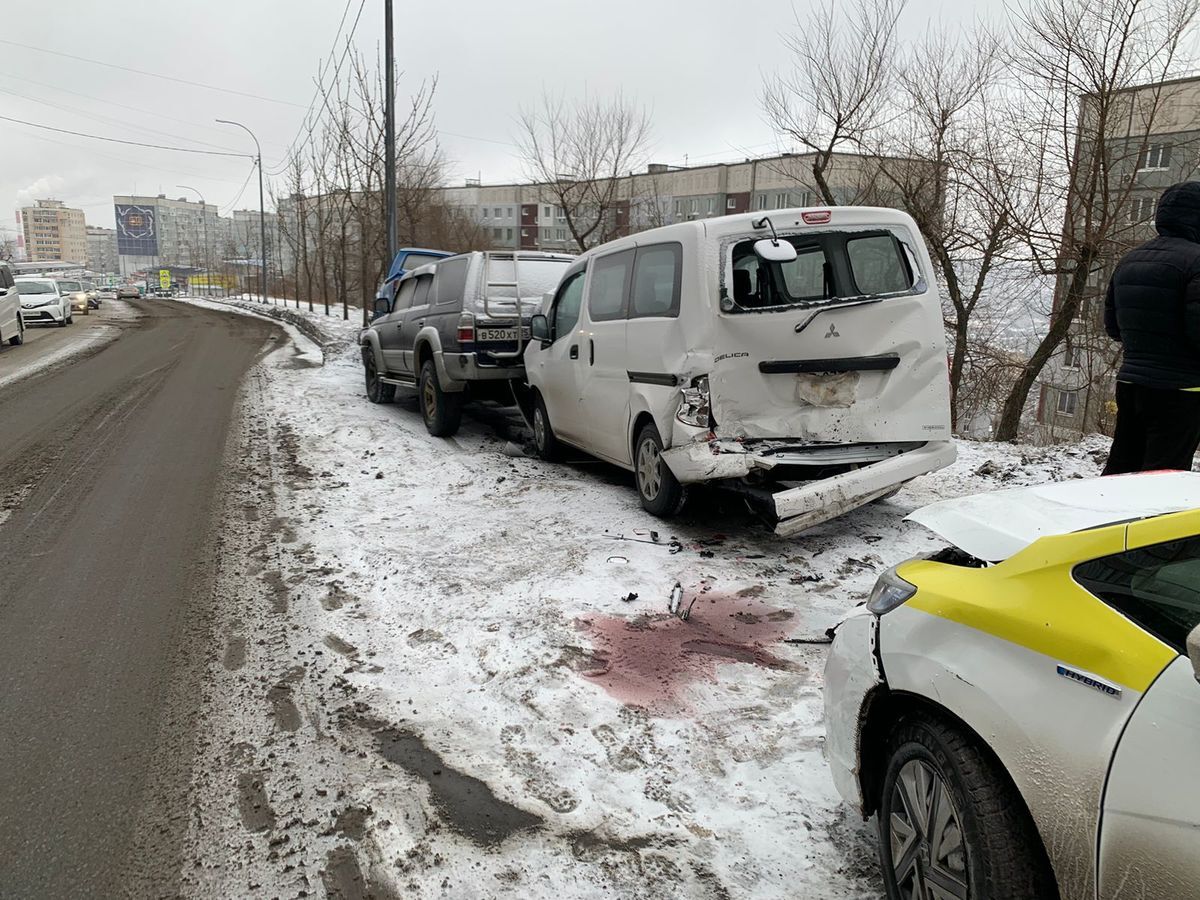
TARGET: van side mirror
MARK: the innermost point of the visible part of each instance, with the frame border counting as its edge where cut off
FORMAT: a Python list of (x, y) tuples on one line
[(1193, 649), (383, 306), (774, 250), (539, 328)]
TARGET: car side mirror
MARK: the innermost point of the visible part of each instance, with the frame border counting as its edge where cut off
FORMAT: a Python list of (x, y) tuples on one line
[(1193, 649), (774, 250), (383, 306), (539, 328)]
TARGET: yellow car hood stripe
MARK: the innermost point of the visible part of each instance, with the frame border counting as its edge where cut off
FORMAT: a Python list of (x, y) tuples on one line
[(1031, 600)]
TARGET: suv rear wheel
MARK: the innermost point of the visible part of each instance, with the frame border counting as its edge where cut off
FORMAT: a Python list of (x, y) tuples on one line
[(951, 824), (659, 489), (548, 447), (377, 391), (441, 410)]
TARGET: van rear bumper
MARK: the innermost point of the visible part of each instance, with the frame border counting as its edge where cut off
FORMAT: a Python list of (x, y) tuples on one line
[(811, 504), (881, 469)]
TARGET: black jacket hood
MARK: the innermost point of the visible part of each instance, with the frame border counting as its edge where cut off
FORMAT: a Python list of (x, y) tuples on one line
[(1178, 213)]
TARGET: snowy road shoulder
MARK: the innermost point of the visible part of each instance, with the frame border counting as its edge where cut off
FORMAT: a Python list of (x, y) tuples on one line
[(453, 671)]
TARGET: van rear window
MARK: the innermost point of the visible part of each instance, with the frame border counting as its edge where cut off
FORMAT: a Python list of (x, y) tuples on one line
[(829, 266)]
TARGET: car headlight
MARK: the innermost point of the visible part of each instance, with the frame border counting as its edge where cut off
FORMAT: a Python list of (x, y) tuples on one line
[(693, 404), (889, 592)]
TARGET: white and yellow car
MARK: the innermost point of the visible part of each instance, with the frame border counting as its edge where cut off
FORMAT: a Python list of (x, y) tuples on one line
[(1020, 712)]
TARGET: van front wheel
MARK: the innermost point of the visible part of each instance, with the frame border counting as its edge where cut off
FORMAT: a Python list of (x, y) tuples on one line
[(660, 491)]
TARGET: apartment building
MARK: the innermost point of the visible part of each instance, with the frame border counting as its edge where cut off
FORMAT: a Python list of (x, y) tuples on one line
[(53, 231), (1155, 143), (102, 256), (156, 232)]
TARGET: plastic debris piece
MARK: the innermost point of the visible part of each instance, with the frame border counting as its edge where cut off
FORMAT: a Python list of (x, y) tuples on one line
[(630, 597), (676, 599)]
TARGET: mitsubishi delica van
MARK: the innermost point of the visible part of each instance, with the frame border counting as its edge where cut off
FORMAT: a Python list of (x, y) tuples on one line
[(795, 356)]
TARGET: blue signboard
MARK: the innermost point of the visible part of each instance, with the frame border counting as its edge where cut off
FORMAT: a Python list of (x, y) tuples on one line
[(136, 232)]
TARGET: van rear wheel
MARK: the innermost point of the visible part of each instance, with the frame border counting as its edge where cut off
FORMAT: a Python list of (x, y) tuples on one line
[(19, 338), (547, 445), (660, 491), (441, 410)]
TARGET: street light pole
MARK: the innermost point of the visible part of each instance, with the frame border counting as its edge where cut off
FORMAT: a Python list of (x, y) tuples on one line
[(389, 125), (262, 209), (204, 219)]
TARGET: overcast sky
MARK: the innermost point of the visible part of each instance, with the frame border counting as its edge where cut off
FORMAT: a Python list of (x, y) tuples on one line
[(698, 65)]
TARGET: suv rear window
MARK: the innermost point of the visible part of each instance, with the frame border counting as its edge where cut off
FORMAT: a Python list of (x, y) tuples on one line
[(1158, 587), (829, 266)]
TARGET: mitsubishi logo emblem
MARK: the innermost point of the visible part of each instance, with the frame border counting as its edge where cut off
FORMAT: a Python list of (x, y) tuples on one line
[(832, 332)]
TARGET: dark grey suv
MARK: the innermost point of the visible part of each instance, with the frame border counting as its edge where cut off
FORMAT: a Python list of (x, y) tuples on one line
[(457, 330)]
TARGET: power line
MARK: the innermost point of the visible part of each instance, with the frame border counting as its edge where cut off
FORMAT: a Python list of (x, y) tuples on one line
[(234, 202), (280, 166), (97, 137), (199, 84)]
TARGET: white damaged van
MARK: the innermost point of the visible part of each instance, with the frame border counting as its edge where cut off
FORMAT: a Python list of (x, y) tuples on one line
[(796, 356)]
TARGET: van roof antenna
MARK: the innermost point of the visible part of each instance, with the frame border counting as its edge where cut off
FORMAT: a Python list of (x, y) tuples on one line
[(763, 223)]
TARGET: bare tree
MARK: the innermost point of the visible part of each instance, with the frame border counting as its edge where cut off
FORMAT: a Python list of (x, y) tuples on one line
[(578, 154), (840, 87), (1079, 131)]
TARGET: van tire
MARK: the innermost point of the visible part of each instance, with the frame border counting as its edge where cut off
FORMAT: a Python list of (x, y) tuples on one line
[(544, 441), (19, 338), (659, 490), (1001, 856), (377, 391), (441, 411)]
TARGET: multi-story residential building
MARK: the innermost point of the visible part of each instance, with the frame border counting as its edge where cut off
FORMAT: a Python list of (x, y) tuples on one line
[(1154, 143), (53, 231), (102, 250), (154, 232)]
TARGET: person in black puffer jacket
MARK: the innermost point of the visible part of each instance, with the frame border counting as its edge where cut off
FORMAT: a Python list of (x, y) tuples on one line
[(1153, 310)]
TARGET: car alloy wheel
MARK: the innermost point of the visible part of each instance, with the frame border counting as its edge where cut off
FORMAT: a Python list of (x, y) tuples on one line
[(539, 429), (429, 398), (928, 853), (649, 469)]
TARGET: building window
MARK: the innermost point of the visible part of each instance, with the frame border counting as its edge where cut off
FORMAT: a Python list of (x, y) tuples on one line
[(497, 233), (524, 232), (780, 201), (545, 212), (561, 234), (712, 205), (1073, 357), (508, 212), (731, 203), (508, 234), (1155, 156), (1066, 402), (692, 206), (1142, 209), (678, 207), (484, 214)]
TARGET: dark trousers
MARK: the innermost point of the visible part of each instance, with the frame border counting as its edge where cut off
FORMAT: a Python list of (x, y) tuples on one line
[(1156, 429)]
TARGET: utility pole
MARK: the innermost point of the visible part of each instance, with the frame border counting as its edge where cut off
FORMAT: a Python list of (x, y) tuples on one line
[(262, 210), (204, 219), (389, 126)]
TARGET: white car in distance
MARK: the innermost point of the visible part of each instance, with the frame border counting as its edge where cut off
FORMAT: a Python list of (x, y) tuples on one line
[(43, 302)]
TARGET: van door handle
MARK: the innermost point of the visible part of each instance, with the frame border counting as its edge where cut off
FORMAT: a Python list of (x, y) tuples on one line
[(591, 353), (574, 351)]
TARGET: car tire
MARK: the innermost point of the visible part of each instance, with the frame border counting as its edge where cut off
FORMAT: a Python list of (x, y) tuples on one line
[(659, 490), (544, 441), (19, 338), (976, 830), (377, 391), (441, 410)]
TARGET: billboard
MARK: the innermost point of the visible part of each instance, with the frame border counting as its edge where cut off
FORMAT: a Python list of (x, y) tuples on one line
[(136, 230)]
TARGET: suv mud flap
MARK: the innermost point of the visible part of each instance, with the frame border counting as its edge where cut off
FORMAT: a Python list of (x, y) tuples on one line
[(800, 508)]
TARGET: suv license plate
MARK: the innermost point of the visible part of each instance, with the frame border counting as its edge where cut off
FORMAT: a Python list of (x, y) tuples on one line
[(499, 334)]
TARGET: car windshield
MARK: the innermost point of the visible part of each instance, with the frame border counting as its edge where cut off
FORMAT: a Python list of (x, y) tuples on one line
[(829, 266), (35, 287), (70, 286)]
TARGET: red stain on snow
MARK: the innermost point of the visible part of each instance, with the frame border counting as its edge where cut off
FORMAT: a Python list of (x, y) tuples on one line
[(649, 660)]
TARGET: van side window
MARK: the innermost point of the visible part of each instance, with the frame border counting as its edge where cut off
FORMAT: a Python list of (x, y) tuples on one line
[(421, 297), (808, 277), (656, 279), (566, 307), (610, 276), (451, 280), (6, 279), (404, 297), (877, 264)]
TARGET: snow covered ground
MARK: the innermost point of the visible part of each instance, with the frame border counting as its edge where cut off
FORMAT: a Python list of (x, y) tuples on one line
[(449, 670)]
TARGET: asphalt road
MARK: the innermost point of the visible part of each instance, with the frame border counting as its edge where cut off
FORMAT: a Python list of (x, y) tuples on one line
[(110, 467)]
